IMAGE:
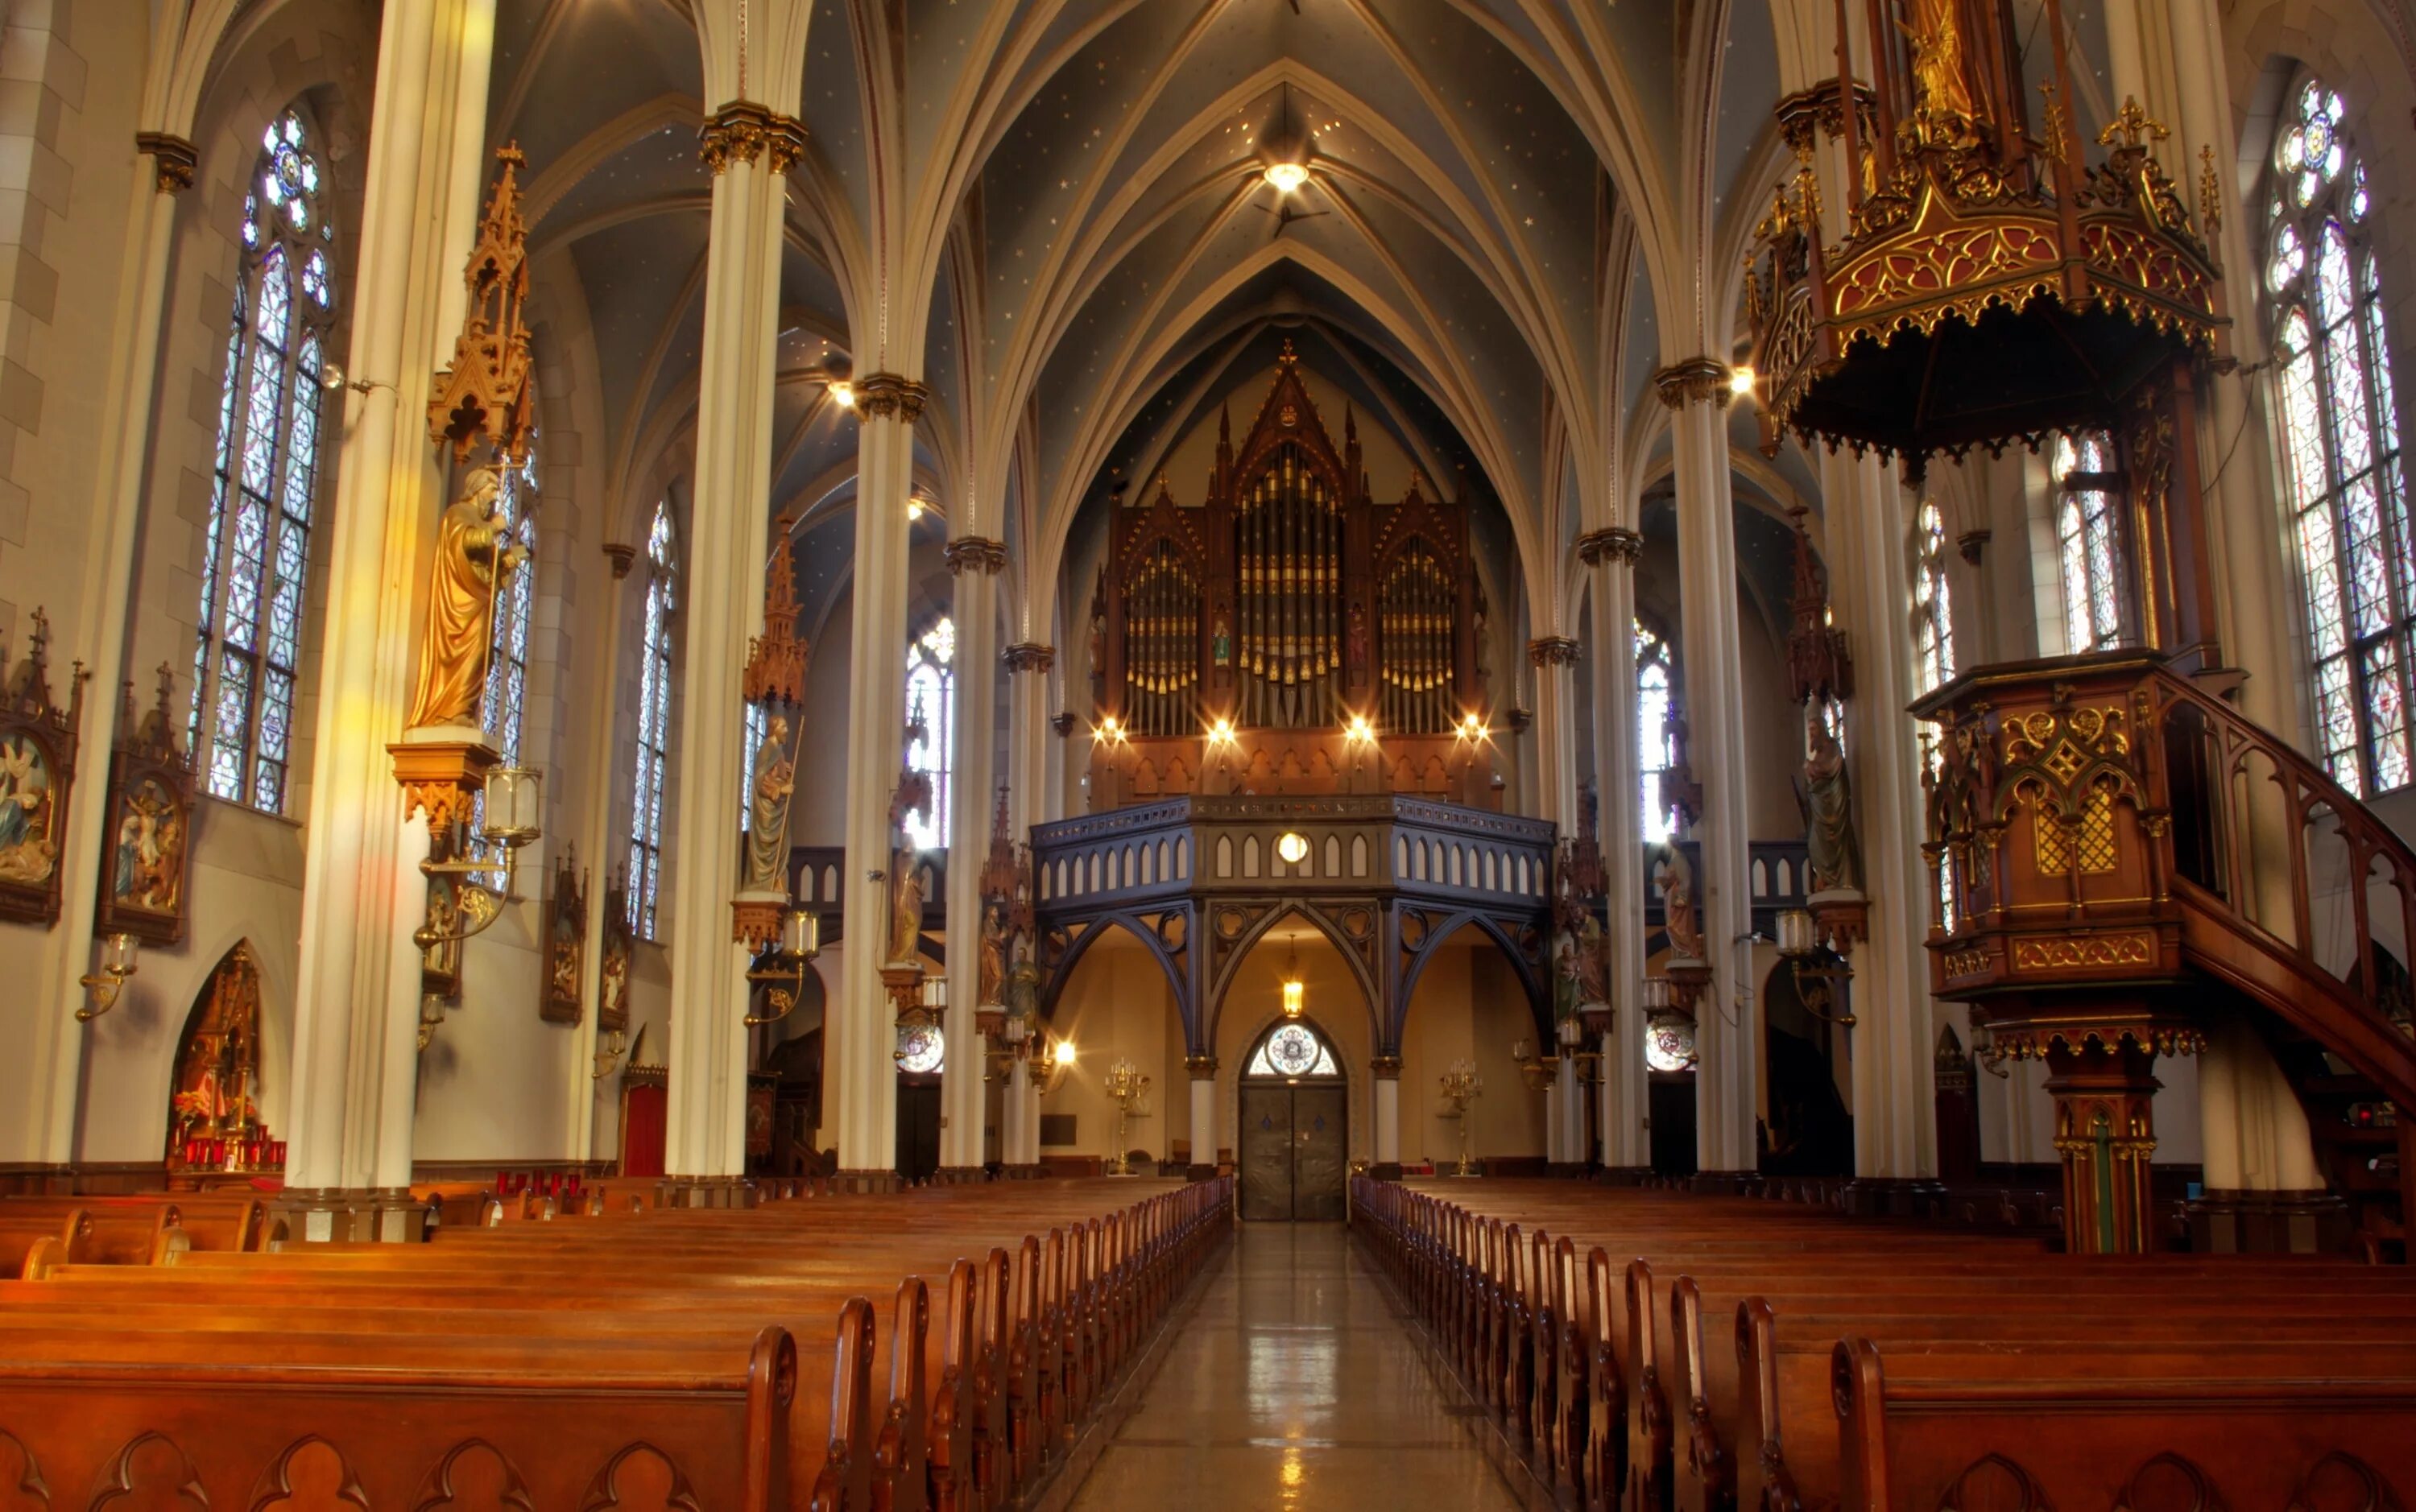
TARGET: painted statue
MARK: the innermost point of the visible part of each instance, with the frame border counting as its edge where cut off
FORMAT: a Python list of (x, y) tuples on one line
[(474, 558), (1674, 875), (149, 866), (1594, 964), (910, 875), (1940, 88), (767, 821), (1568, 978), (1221, 640), (27, 853), (1836, 854)]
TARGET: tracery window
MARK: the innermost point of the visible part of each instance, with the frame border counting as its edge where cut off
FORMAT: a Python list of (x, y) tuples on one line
[(653, 724), (1655, 741), (1291, 1051), (2347, 494), (255, 559), (750, 740), (1933, 618), (502, 708), (931, 708), (2091, 551)]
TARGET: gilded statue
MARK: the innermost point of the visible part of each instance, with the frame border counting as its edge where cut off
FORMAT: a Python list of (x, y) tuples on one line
[(768, 819), (908, 876), (1674, 875), (1941, 90), (1836, 856), (993, 956), (474, 558)]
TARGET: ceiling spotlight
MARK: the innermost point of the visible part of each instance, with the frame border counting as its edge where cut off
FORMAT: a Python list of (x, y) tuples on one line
[(842, 393), (1741, 380), (1287, 177)]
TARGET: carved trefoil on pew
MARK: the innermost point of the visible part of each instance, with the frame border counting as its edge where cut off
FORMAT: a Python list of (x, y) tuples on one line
[(563, 998), (37, 762), (148, 833)]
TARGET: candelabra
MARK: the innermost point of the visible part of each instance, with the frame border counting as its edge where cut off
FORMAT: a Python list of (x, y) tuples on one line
[(1127, 1089), (1462, 1086)]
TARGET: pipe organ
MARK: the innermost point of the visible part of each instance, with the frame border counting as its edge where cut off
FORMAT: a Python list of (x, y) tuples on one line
[(1238, 643)]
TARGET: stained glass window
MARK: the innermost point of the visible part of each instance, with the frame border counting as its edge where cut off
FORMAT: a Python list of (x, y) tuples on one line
[(654, 724), (932, 711), (501, 709), (1291, 1051), (264, 477), (2348, 497), (2090, 549), (750, 740), (1655, 740), (1933, 618)]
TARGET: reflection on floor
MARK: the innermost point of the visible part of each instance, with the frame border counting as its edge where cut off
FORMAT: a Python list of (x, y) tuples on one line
[(1293, 1386)]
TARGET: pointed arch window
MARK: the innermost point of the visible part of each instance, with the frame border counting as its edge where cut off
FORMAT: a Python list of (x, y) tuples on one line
[(503, 707), (932, 711), (265, 476), (654, 724), (1293, 1050), (2348, 497), (1655, 740), (1933, 617), (2091, 553)]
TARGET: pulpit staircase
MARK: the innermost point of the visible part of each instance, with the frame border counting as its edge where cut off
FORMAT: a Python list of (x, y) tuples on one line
[(2129, 854)]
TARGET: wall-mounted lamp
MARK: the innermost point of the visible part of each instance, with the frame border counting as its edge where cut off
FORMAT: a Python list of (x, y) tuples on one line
[(608, 1049), (1360, 731), (1472, 727), (915, 506), (432, 1016), (1823, 973), (117, 953), (783, 973), (1295, 992), (1292, 846), (1741, 381), (842, 393), (332, 378), (515, 796), (1111, 731), (1221, 731)]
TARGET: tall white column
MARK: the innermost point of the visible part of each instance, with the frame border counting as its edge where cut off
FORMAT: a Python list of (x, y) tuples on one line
[(1387, 1074), (1729, 1029), (1203, 1114), (1610, 554), (1892, 1044), (721, 606), (356, 1003), (1555, 660), (39, 1083), (1028, 802), (972, 801), (860, 1036)]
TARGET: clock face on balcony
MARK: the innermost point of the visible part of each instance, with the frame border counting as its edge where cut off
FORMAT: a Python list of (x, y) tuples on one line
[(1669, 1047), (921, 1049)]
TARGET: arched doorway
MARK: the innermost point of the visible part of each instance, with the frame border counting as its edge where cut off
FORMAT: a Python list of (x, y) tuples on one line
[(1294, 1125)]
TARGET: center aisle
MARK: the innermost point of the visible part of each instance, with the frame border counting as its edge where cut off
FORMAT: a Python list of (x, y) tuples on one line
[(1293, 1385)]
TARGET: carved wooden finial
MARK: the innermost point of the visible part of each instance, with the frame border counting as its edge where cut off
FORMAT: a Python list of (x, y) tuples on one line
[(776, 660), (483, 395)]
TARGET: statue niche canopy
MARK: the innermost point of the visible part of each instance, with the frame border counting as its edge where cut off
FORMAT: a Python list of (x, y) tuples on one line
[(1289, 634)]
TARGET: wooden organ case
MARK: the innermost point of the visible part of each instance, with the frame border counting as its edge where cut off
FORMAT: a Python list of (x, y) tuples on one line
[(1289, 635)]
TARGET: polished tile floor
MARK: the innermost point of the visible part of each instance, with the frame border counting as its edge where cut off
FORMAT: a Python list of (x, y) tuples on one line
[(1294, 1385)]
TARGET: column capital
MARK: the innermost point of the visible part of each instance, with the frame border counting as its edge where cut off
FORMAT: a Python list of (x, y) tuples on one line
[(1202, 1068), (1615, 544), (886, 396), (742, 131), (1552, 650), (976, 553), (1385, 1068), (1029, 656), (172, 159), (1693, 381)]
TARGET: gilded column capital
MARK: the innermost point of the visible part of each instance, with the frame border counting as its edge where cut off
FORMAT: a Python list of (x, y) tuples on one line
[(172, 159), (1693, 381), (1552, 650), (1202, 1068), (742, 131), (1029, 656), (974, 553), (886, 396), (1385, 1068), (1616, 544)]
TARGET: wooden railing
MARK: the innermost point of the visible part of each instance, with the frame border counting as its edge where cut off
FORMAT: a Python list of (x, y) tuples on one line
[(2105, 822)]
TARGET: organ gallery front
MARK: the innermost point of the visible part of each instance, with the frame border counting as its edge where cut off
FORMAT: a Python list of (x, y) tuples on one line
[(1289, 633)]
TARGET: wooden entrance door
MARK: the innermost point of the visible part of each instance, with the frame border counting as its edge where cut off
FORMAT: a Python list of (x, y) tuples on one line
[(1295, 1152)]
